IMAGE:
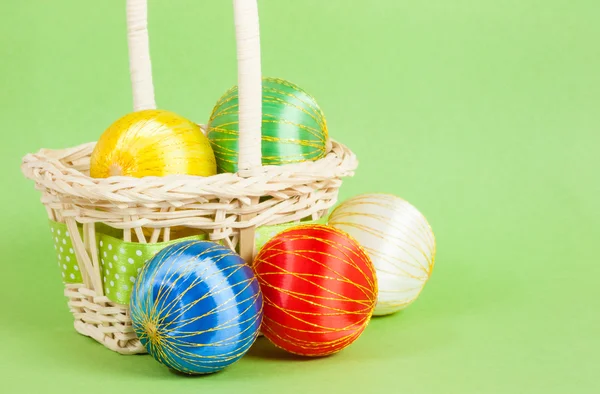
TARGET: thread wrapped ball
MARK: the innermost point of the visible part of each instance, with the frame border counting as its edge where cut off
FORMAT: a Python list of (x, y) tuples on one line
[(319, 290), (152, 143), (399, 241), (293, 126), (196, 307)]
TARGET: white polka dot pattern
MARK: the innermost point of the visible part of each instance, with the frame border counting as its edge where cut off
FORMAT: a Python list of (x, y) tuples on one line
[(65, 254), (120, 261)]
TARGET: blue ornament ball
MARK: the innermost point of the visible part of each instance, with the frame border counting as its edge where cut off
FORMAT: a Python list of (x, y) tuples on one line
[(197, 307)]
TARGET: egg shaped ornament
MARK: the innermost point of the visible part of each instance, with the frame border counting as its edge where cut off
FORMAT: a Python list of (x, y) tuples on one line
[(152, 143), (196, 307), (294, 129), (399, 241), (319, 289)]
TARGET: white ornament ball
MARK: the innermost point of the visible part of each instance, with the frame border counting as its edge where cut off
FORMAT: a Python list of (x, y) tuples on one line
[(399, 241)]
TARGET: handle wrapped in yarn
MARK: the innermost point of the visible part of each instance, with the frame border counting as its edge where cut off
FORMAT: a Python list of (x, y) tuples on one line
[(140, 67), (249, 72), (249, 82)]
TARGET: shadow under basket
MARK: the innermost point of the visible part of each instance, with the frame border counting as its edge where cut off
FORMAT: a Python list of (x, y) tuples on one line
[(105, 229)]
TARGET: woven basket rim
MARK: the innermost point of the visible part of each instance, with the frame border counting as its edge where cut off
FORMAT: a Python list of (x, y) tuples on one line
[(58, 170)]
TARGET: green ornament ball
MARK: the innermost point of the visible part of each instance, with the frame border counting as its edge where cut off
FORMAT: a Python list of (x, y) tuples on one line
[(293, 126)]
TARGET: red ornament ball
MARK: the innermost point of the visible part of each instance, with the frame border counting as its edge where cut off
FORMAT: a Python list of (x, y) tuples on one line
[(319, 289)]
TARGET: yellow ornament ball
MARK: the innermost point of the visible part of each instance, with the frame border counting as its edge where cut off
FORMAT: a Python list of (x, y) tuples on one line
[(152, 143)]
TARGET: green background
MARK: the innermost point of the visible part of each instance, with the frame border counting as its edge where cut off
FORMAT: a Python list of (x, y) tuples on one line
[(484, 114)]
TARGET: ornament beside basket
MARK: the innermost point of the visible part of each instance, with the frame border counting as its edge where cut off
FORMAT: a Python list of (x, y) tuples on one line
[(319, 289), (137, 213), (197, 306), (399, 241)]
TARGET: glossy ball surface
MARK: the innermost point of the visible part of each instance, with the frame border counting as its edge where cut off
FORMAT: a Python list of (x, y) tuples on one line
[(294, 129), (319, 290), (152, 143), (399, 241), (196, 307)]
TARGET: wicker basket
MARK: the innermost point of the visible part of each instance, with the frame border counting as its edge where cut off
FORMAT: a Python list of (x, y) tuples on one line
[(227, 207)]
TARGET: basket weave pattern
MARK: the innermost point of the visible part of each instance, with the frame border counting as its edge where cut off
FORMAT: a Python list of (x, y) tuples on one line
[(222, 205), (226, 207), (99, 318)]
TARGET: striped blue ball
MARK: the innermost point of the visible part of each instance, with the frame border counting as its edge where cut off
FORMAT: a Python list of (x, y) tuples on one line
[(197, 307)]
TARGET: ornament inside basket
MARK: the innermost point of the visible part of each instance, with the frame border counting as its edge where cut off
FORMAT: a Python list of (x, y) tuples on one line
[(228, 207), (293, 129)]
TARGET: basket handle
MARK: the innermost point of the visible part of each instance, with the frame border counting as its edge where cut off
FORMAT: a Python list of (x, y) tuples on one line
[(140, 67), (249, 72)]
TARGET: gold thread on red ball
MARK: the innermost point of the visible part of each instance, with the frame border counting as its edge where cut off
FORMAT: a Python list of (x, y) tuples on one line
[(319, 288)]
